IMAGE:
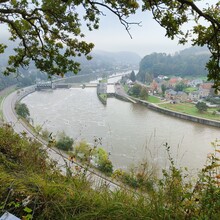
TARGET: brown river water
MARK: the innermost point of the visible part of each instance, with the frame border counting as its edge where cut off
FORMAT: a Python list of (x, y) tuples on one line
[(129, 132)]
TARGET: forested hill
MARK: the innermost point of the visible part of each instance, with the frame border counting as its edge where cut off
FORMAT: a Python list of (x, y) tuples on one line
[(188, 62)]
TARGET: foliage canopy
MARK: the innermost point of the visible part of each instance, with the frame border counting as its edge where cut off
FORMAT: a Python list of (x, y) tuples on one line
[(65, 143), (22, 110), (49, 32), (201, 106)]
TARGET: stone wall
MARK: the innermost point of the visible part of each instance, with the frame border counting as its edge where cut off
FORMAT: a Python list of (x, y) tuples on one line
[(180, 115)]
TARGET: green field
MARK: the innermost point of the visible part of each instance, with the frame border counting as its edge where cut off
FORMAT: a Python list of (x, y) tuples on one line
[(190, 89), (190, 109), (153, 99)]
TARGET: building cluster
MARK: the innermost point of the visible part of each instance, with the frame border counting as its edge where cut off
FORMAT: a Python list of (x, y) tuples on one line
[(178, 89)]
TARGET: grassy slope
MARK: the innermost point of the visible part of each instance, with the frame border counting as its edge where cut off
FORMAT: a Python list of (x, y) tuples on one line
[(31, 186), (153, 99), (190, 109)]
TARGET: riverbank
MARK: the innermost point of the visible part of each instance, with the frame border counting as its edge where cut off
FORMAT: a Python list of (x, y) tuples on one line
[(156, 107)]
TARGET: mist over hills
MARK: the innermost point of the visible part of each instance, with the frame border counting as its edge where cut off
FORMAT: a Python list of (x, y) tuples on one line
[(109, 61)]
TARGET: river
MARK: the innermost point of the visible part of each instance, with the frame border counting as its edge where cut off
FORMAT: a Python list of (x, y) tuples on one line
[(129, 132)]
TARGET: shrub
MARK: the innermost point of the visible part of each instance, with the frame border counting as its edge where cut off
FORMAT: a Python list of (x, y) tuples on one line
[(22, 110), (105, 166), (201, 106), (83, 151), (64, 143)]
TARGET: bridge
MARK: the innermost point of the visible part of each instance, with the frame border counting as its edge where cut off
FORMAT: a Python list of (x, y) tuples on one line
[(44, 85), (59, 84)]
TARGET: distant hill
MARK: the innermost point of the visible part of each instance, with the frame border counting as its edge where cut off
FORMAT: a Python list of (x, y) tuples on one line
[(188, 62), (195, 51)]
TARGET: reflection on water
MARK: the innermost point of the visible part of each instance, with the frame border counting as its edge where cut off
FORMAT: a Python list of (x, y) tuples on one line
[(130, 132)]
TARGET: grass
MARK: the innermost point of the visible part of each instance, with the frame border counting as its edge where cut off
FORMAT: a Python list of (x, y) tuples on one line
[(153, 99), (190, 109), (39, 191), (190, 89), (102, 97)]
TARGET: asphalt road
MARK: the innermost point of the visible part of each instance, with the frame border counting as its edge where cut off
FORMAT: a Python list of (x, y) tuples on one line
[(61, 158)]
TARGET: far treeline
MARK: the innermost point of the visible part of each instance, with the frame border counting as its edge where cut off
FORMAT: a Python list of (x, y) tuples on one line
[(189, 62)]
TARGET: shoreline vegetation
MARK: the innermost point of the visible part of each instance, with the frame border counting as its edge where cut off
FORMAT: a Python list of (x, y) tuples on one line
[(40, 191)]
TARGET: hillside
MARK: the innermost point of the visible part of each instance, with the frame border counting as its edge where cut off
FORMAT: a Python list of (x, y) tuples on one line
[(188, 62), (31, 187)]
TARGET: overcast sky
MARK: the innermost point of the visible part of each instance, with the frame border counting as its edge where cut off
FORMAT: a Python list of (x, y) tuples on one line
[(112, 36)]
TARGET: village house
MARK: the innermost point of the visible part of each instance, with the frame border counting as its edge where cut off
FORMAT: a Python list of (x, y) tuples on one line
[(194, 96), (154, 87), (162, 77), (170, 94), (174, 81), (181, 96), (195, 82), (205, 89)]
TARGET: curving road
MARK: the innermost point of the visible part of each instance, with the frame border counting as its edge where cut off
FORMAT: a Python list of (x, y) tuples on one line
[(62, 159)]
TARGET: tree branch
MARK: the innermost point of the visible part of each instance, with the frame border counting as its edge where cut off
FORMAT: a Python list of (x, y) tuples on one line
[(119, 14)]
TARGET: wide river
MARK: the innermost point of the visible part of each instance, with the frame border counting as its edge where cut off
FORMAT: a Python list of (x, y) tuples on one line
[(129, 132)]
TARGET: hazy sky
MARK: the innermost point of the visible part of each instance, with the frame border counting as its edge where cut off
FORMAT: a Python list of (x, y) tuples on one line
[(112, 36)]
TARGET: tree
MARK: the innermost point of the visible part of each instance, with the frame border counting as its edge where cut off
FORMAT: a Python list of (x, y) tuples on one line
[(103, 162), (135, 90), (49, 32), (22, 110), (132, 76), (149, 77), (64, 142), (163, 88), (180, 86), (144, 93), (83, 151), (201, 106)]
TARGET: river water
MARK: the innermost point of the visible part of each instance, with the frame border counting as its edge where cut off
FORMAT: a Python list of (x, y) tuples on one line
[(129, 132)]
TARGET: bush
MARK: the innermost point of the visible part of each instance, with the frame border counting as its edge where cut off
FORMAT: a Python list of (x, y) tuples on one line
[(22, 110), (102, 161), (64, 143), (83, 151), (201, 106), (105, 166)]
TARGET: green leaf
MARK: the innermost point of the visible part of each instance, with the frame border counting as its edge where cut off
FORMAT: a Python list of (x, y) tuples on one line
[(28, 210)]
